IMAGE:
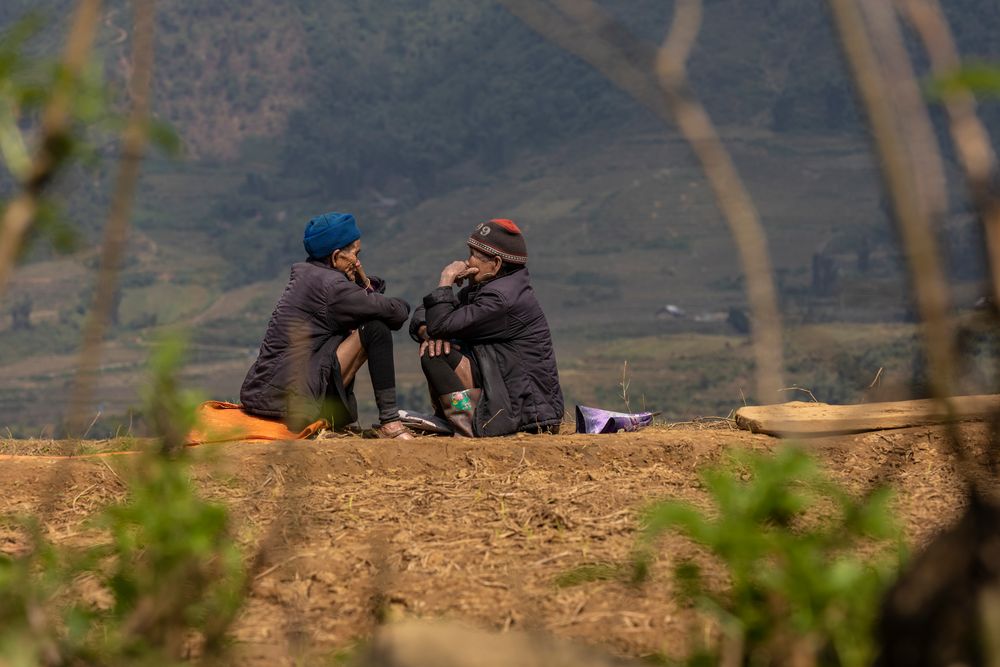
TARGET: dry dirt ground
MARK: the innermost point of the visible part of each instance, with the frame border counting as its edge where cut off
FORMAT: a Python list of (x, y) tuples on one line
[(471, 530)]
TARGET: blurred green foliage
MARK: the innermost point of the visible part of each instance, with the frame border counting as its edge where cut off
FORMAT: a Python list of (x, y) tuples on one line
[(27, 84), (807, 562), (164, 577), (169, 408), (30, 75), (975, 77)]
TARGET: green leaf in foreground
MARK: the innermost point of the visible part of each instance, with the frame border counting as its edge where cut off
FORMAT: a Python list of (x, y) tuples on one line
[(166, 565), (807, 561), (977, 78)]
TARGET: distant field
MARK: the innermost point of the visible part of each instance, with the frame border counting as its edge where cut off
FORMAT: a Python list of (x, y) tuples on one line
[(683, 375)]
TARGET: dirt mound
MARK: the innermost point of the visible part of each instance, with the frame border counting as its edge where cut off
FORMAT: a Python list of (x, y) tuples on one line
[(358, 531)]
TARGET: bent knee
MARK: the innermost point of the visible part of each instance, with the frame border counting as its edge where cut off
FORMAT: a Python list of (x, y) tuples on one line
[(376, 326), (375, 330), (427, 362)]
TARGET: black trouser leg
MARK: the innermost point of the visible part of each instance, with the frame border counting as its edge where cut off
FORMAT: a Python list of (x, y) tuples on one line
[(440, 372), (376, 339), (457, 402)]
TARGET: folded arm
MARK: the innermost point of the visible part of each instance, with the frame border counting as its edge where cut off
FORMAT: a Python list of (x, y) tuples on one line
[(355, 305), (484, 318)]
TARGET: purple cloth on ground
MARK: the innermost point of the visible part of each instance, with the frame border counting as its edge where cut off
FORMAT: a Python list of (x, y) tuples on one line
[(595, 420)]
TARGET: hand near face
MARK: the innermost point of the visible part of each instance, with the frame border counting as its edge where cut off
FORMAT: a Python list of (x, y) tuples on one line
[(360, 271), (455, 272), (346, 260)]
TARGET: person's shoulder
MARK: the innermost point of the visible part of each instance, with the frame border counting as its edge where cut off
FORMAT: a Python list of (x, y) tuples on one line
[(493, 292), (311, 276), (314, 269), (510, 285), (307, 267)]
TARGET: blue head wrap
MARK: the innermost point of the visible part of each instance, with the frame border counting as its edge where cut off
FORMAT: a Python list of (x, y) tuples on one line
[(328, 232)]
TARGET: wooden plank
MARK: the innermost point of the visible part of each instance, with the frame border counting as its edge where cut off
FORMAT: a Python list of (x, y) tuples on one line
[(802, 419)]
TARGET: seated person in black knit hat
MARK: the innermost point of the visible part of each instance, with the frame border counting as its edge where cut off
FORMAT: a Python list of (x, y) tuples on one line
[(330, 319), (487, 351)]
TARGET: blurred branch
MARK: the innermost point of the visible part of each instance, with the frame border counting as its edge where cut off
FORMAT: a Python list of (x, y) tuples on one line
[(972, 141), (734, 200), (657, 80), (672, 58), (134, 141), (599, 42), (21, 212), (921, 142), (12, 146), (912, 218)]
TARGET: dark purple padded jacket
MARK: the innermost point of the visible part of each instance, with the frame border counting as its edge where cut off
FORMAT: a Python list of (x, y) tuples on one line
[(296, 377), (502, 324)]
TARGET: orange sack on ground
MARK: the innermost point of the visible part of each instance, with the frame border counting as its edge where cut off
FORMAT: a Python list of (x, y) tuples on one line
[(218, 421)]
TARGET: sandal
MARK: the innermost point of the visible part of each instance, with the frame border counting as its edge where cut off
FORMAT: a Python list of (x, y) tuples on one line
[(392, 430)]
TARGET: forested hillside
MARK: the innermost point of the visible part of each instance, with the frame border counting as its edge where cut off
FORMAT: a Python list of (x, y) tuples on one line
[(358, 93), (426, 116), (333, 101)]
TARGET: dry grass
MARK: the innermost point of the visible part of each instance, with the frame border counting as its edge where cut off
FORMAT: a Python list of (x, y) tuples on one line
[(363, 531)]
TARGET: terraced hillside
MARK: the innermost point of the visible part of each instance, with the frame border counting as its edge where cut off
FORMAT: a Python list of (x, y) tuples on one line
[(405, 119)]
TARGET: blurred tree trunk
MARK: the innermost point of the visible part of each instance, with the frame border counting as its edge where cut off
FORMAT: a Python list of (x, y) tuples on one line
[(134, 140)]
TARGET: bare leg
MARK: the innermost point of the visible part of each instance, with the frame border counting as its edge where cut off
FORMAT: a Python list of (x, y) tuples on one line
[(442, 378), (464, 373), (351, 357)]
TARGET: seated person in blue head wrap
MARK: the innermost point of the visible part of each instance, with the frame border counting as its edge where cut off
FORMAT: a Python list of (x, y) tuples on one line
[(330, 319)]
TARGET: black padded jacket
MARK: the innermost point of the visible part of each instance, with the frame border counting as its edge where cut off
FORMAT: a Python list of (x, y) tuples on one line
[(502, 324), (296, 377)]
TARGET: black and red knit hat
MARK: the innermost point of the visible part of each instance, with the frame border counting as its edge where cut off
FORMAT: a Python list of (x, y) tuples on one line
[(500, 238)]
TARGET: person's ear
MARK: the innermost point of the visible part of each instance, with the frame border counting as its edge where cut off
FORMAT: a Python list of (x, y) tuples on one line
[(497, 263), (333, 258)]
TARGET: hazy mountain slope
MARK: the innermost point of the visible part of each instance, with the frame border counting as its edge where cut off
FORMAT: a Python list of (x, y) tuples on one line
[(424, 117)]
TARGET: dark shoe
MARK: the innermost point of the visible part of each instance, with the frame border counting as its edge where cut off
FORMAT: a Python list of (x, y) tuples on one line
[(392, 430), (459, 409), (422, 424)]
